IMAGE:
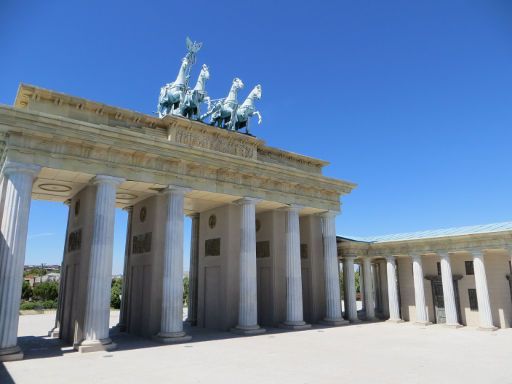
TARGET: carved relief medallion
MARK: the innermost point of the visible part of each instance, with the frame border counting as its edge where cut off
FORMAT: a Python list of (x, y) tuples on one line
[(212, 221)]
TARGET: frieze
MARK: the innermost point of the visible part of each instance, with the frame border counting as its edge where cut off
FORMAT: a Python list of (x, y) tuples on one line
[(142, 243), (211, 141)]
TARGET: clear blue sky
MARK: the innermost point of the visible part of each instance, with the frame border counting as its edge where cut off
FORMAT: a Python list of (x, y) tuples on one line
[(410, 100)]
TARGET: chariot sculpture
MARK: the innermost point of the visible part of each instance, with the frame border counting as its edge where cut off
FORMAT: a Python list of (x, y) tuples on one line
[(177, 98)]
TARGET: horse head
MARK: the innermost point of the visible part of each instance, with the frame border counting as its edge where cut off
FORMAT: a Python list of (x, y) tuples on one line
[(256, 92), (237, 84)]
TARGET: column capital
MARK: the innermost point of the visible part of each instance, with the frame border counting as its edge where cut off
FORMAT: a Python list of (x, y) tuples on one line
[(444, 255), (291, 207), (194, 215), (67, 202), (105, 179), (328, 214), (11, 167), (247, 201), (390, 257), (350, 257), (128, 209), (475, 252), (175, 189), (416, 256)]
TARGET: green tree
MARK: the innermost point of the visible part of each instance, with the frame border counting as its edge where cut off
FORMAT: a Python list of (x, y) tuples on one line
[(46, 291), (26, 291), (115, 295), (185, 291)]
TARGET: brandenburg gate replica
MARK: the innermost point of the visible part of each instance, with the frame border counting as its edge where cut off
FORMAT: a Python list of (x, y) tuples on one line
[(263, 244)]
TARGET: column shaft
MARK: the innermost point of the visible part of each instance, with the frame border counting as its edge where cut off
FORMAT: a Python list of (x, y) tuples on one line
[(482, 291), (123, 313), (55, 331), (248, 304), (18, 179), (419, 290), (394, 308), (193, 270), (448, 291), (97, 306), (368, 289), (294, 309), (171, 328), (331, 270), (350, 289)]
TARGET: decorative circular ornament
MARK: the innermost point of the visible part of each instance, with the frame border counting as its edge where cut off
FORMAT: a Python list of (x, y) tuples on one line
[(212, 221), (77, 207), (55, 187), (143, 213), (125, 196), (258, 225)]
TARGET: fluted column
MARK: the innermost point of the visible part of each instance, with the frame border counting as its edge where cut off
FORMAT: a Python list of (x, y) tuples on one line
[(350, 289), (419, 290), (193, 270), (294, 313), (248, 304), (368, 289), (124, 288), (482, 291), (97, 305), (18, 179), (448, 291), (394, 306), (171, 325), (55, 331), (331, 270)]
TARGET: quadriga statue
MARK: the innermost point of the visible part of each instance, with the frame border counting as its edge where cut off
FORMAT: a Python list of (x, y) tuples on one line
[(223, 112), (247, 110), (194, 97)]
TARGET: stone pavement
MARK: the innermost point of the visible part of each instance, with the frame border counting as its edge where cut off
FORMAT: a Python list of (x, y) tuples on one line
[(362, 353)]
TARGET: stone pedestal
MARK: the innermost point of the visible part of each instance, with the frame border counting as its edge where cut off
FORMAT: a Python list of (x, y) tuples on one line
[(448, 292), (419, 291), (350, 289), (17, 180), (482, 292), (97, 305), (193, 270), (368, 289), (248, 304), (171, 328), (331, 270), (394, 306), (294, 313)]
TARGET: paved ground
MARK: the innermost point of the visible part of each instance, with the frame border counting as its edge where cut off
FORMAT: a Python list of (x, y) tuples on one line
[(363, 353)]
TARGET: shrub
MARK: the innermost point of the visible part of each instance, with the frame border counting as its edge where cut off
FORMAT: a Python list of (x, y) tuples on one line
[(27, 305), (48, 290), (26, 291), (115, 295)]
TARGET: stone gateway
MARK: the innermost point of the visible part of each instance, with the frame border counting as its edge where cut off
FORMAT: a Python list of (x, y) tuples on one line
[(95, 158)]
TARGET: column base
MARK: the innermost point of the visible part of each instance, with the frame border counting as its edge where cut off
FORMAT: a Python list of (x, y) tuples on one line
[(172, 337), (422, 323), (395, 321), (488, 329), (334, 322), (294, 325), (454, 326), (121, 327), (248, 331), (11, 354), (95, 345), (54, 333)]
